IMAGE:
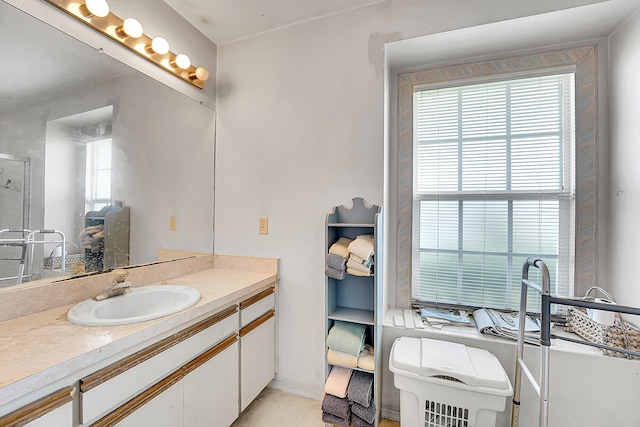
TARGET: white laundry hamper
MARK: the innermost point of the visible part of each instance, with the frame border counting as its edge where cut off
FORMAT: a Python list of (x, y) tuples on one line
[(444, 384)]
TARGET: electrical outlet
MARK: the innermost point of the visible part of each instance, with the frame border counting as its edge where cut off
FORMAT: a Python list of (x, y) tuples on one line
[(264, 226), (172, 223)]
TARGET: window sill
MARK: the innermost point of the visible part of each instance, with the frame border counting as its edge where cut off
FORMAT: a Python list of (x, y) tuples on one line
[(410, 321)]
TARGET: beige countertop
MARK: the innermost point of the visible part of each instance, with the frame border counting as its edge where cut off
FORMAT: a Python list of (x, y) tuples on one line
[(41, 348)]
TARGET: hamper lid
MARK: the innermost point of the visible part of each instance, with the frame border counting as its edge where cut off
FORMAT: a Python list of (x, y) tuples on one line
[(431, 358)]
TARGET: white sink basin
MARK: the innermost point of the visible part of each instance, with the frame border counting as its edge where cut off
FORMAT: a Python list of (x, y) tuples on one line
[(138, 305)]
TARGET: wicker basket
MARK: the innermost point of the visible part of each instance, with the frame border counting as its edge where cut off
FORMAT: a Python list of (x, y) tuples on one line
[(55, 262), (619, 335)]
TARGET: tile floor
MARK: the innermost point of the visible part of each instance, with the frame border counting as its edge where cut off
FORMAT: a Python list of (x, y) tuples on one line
[(276, 408)]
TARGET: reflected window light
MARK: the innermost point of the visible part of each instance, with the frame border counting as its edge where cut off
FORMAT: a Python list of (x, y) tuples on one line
[(98, 175)]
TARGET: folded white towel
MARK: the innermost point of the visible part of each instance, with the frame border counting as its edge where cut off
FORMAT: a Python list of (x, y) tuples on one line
[(341, 247), (362, 246), (335, 357), (354, 265), (366, 262), (355, 272), (366, 360)]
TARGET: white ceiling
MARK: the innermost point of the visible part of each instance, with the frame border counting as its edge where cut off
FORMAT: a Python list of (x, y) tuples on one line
[(224, 21)]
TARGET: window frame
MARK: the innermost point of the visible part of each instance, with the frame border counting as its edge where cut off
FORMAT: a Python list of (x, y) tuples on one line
[(583, 60)]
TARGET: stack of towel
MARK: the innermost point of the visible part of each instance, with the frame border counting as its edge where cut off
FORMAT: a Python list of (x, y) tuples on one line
[(336, 409), (346, 337), (348, 398), (353, 256), (347, 347), (360, 395), (361, 256), (336, 266), (92, 238)]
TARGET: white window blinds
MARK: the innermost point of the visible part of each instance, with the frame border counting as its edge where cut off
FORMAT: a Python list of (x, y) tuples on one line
[(493, 185)]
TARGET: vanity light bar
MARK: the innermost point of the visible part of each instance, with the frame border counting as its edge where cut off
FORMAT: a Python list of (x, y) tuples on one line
[(129, 33)]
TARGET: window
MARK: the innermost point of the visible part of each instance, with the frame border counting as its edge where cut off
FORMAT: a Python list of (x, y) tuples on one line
[(98, 175), (467, 205), (493, 185)]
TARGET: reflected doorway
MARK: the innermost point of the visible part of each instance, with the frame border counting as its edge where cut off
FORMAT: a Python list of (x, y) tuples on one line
[(77, 173)]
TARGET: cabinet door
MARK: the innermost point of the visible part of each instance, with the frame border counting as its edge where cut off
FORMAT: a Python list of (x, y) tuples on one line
[(257, 357), (211, 391), (164, 410)]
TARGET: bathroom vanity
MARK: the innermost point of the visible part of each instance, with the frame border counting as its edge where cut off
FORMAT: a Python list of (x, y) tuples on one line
[(200, 366)]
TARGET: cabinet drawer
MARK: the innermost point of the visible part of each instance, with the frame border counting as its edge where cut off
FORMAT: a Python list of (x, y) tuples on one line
[(116, 383), (177, 399), (256, 306), (55, 409)]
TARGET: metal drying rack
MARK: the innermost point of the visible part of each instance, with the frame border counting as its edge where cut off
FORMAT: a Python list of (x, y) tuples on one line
[(542, 388)]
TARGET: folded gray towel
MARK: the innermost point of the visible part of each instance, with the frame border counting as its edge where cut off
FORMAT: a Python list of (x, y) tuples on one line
[(356, 421), (336, 406), (336, 261), (367, 414), (334, 273), (361, 388), (332, 419)]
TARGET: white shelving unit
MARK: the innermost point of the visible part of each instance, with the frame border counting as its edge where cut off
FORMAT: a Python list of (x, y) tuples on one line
[(357, 299)]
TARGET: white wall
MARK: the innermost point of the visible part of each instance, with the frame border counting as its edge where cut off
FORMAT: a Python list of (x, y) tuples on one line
[(625, 152), (300, 129), (62, 204)]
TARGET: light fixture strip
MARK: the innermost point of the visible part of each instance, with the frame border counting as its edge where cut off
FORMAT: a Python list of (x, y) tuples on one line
[(108, 25)]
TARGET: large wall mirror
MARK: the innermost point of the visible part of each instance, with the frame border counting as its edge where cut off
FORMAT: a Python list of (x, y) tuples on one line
[(90, 148)]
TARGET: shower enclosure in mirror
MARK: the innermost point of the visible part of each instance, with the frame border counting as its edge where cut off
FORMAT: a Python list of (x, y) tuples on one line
[(96, 134), (14, 212)]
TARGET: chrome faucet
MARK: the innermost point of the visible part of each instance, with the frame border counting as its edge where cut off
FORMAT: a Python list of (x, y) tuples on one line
[(118, 286)]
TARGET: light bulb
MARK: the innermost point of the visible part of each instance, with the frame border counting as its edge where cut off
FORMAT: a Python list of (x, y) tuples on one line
[(99, 8), (181, 61), (130, 28), (158, 45), (201, 74)]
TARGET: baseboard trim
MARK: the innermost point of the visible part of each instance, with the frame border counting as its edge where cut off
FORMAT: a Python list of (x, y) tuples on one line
[(294, 389), (392, 414)]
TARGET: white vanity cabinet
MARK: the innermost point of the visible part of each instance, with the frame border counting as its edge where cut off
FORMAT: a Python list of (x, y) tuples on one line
[(203, 392), (257, 345), (171, 383), (53, 410), (197, 374)]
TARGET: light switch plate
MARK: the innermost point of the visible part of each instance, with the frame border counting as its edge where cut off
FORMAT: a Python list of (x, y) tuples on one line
[(263, 226)]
